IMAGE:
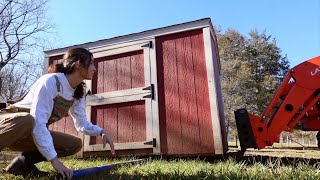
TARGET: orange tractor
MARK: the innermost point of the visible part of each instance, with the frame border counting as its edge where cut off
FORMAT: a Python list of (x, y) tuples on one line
[(297, 100)]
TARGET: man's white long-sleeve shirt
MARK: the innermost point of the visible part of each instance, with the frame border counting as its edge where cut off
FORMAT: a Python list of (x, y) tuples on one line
[(40, 102)]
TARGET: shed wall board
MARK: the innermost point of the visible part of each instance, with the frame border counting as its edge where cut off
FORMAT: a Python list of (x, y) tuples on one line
[(181, 114)]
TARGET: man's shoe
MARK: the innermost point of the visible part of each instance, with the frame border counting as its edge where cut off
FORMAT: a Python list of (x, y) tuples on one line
[(19, 167)]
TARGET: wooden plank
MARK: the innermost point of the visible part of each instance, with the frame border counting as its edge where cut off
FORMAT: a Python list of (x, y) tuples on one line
[(86, 138), (120, 50), (202, 94), (119, 146), (171, 104), (45, 65), (121, 99), (98, 113), (120, 93), (120, 153), (161, 96), (139, 116), (124, 113), (124, 73), (148, 110), (111, 122), (137, 71), (99, 122), (139, 122), (124, 124), (123, 45), (216, 126), (187, 98), (100, 77), (146, 54), (217, 71), (93, 119), (110, 74), (155, 102)]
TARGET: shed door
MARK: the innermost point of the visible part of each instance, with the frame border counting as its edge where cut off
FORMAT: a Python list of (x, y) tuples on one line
[(121, 97)]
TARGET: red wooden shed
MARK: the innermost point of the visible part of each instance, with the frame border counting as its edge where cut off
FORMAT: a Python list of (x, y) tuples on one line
[(156, 92)]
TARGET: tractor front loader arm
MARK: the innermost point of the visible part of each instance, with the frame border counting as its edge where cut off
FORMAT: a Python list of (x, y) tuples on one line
[(296, 100)]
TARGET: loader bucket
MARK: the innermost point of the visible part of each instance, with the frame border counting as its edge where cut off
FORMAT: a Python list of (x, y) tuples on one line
[(245, 132), (252, 130)]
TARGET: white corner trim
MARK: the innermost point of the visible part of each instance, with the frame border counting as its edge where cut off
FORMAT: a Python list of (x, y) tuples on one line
[(216, 126), (45, 65), (86, 138), (155, 101)]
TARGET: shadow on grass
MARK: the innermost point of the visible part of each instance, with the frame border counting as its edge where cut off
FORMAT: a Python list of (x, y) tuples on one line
[(247, 159)]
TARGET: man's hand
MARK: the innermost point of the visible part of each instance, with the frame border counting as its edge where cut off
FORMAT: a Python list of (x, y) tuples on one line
[(106, 139), (64, 171)]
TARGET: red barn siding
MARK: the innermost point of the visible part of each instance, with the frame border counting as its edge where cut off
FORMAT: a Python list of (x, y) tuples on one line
[(119, 72), (55, 59), (126, 122), (169, 107), (187, 97), (184, 108), (203, 102)]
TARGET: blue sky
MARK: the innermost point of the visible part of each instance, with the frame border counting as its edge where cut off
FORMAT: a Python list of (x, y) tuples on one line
[(295, 24)]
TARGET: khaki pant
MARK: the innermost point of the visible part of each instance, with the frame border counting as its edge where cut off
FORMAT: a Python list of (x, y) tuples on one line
[(15, 134)]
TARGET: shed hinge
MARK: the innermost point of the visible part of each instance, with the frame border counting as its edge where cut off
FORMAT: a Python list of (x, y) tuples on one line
[(151, 88), (153, 142), (3, 105), (148, 45), (88, 92)]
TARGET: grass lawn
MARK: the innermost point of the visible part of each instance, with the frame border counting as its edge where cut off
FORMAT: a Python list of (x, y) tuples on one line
[(192, 169), (252, 166)]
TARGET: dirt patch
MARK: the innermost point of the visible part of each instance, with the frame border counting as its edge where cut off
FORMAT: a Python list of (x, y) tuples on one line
[(294, 153), (280, 156)]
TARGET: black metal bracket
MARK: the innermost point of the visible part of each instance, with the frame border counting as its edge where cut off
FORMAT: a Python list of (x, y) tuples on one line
[(153, 142), (3, 105), (151, 88), (88, 93)]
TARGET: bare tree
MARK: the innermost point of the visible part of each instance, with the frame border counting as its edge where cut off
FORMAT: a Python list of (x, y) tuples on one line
[(17, 80), (22, 23)]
